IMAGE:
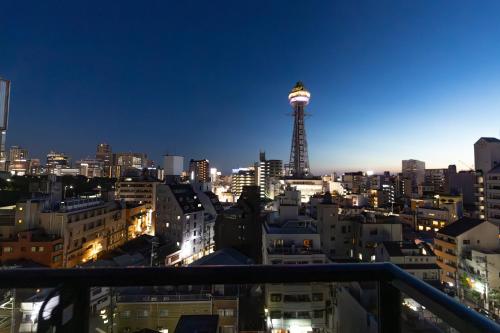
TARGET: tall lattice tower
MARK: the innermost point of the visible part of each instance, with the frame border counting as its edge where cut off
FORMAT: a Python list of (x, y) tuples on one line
[(299, 160)]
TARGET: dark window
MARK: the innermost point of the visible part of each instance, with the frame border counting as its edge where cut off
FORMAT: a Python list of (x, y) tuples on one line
[(275, 297)]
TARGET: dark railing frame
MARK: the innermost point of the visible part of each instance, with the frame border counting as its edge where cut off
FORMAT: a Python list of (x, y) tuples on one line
[(392, 282)]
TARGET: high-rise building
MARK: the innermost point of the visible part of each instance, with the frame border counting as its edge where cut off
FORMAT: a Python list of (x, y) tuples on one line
[(199, 171), (268, 175), (299, 159), (124, 161), (104, 154), (57, 161), (487, 164), (4, 116), (90, 167), (414, 172), (18, 162), (239, 178)]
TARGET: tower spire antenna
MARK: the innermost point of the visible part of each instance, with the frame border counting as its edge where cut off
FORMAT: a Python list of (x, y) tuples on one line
[(299, 160)]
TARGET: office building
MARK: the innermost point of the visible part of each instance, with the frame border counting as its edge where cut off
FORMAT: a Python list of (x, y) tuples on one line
[(105, 156), (4, 117), (90, 167), (199, 171), (487, 165), (56, 162), (414, 172), (18, 162), (122, 162), (441, 179)]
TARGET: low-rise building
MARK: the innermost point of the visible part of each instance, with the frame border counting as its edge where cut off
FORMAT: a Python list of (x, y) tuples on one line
[(455, 241), (418, 260), (369, 231), (33, 245)]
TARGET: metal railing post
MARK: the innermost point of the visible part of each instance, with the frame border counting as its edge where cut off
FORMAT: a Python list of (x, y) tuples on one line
[(389, 308)]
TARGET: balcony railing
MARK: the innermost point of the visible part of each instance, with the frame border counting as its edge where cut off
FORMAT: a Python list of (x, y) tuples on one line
[(72, 286)]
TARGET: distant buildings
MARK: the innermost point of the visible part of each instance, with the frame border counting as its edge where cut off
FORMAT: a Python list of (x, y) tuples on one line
[(57, 161), (105, 156), (125, 161), (90, 168), (199, 171), (4, 117), (18, 162), (414, 172)]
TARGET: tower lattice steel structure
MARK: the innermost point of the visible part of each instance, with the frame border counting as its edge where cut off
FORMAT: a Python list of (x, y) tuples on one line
[(299, 159)]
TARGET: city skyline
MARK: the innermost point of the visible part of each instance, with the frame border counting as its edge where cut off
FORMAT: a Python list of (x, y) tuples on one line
[(418, 94)]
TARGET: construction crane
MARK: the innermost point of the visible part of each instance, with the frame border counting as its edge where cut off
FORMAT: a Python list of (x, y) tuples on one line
[(466, 165)]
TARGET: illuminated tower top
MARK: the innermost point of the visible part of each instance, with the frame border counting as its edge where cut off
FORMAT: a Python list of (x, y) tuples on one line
[(299, 159), (299, 94)]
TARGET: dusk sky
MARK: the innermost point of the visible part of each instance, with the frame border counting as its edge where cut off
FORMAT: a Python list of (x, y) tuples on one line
[(389, 80)]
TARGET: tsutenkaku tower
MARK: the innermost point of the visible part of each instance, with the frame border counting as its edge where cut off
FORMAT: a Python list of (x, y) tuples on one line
[(299, 159)]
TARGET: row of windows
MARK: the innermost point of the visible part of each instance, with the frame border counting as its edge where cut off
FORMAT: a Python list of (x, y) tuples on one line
[(316, 297), (162, 313), (296, 315)]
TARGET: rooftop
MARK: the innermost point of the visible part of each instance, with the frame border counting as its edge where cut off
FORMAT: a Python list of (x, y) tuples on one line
[(227, 256), (186, 197), (296, 227), (395, 248), (460, 226)]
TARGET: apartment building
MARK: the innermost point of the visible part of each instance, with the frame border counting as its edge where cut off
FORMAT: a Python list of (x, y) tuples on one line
[(33, 245), (418, 260), (184, 220), (369, 231), (294, 240), (453, 244), (87, 227), (139, 187)]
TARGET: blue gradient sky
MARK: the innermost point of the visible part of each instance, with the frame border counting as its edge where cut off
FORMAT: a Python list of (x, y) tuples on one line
[(389, 80)]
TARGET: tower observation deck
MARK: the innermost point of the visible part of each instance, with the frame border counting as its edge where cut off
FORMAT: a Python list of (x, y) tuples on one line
[(299, 159)]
